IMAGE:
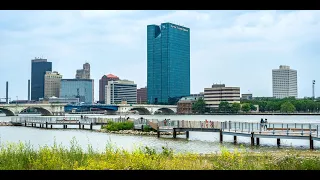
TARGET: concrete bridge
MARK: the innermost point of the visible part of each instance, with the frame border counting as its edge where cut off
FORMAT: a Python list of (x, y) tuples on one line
[(45, 109), (147, 109)]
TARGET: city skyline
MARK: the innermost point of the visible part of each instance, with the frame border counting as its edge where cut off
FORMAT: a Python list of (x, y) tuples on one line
[(238, 48)]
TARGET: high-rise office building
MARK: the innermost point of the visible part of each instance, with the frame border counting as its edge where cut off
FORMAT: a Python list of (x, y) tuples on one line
[(102, 85), (168, 61), (39, 67), (83, 73), (121, 91), (52, 84), (284, 82), (78, 88)]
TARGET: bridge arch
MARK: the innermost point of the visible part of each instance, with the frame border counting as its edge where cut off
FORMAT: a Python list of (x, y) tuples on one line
[(43, 111), (166, 111), (141, 110), (7, 112)]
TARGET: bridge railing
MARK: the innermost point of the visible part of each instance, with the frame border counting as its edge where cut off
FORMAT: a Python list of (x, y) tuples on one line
[(302, 129)]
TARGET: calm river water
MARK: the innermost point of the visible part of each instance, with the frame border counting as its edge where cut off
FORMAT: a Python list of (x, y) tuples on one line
[(199, 142)]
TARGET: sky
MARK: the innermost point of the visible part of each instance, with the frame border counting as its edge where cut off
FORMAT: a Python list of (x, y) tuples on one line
[(237, 48)]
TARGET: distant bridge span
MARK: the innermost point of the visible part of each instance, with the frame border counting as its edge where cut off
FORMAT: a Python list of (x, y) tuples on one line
[(147, 109), (45, 109)]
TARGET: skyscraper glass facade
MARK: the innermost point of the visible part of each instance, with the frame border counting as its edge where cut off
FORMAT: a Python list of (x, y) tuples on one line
[(39, 67), (168, 62), (78, 88)]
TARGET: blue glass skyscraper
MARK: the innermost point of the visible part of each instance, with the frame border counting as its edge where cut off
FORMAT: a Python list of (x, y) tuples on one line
[(38, 70), (168, 62)]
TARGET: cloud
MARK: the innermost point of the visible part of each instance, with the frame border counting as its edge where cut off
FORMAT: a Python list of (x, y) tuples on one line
[(238, 48)]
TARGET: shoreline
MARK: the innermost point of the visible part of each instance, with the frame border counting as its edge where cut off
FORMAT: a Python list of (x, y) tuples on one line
[(136, 132), (5, 124)]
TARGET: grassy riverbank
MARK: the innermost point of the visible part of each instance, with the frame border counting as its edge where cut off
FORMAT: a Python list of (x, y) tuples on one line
[(24, 157)]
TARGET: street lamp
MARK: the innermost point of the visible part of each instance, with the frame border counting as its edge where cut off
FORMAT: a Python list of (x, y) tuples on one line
[(17, 101)]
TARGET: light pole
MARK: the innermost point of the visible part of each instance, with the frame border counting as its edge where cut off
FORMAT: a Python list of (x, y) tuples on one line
[(313, 83), (17, 101)]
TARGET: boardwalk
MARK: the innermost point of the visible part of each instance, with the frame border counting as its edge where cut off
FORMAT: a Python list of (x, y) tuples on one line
[(255, 131), (48, 122)]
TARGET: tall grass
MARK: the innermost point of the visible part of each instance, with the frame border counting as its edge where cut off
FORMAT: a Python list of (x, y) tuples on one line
[(117, 126), (23, 156)]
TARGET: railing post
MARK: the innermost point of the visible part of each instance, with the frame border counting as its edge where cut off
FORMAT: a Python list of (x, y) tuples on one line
[(317, 131), (241, 127), (260, 129), (301, 129), (282, 125), (287, 129), (273, 129), (229, 126), (235, 127), (295, 125), (310, 129)]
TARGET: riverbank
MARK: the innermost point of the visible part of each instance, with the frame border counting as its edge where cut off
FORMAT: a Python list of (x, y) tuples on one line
[(23, 157), (136, 132)]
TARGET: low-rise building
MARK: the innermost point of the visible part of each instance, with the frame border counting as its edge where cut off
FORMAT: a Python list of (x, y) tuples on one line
[(246, 96), (184, 105), (219, 92), (60, 100)]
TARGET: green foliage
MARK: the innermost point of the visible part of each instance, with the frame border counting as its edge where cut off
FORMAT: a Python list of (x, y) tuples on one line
[(24, 157), (117, 126), (245, 107), (253, 107), (199, 106), (288, 107), (274, 105), (148, 129), (224, 106), (235, 107)]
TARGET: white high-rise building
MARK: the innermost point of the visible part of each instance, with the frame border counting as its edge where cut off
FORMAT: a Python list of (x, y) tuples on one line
[(284, 82), (120, 91)]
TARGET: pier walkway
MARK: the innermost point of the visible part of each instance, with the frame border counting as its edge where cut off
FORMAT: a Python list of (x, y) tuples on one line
[(252, 130)]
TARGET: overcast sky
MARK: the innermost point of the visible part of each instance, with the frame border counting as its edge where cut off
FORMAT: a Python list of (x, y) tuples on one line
[(237, 48)]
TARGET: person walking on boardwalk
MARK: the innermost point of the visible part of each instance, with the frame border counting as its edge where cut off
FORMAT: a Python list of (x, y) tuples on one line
[(265, 124), (261, 123)]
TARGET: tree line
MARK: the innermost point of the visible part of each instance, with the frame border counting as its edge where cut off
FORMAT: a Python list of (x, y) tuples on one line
[(285, 105)]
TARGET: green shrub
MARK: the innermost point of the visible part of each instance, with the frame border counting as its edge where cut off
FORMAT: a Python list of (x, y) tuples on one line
[(117, 126), (148, 129)]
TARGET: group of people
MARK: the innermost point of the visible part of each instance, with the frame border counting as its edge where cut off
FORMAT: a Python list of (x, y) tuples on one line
[(263, 124)]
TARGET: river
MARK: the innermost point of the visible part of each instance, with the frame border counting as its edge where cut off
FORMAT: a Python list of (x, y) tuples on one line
[(199, 142)]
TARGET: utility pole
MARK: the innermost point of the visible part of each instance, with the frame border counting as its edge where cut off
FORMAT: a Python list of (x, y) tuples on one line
[(313, 83)]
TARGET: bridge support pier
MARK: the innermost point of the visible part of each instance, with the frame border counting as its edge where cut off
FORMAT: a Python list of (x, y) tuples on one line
[(252, 139), (90, 126), (174, 133), (79, 125), (46, 125), (258, 141), (82, 126), (311, 143), (31, 124), (221, 136), (278, 142), (51, 126), (234, 139), (187, 134)]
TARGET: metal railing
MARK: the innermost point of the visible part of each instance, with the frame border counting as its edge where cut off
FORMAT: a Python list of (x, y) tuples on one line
[(302, 129)]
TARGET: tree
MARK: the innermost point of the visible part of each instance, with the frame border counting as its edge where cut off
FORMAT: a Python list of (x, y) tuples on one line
[(224, 106), (199, 106), (245, 107), (235, 107), (288, 107), (253, 107)]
